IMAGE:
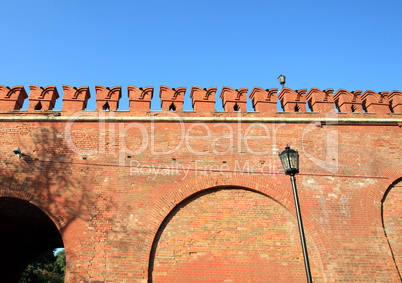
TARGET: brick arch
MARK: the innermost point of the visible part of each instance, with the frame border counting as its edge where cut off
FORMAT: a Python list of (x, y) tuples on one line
[(375, 197), (376, 194), (282, 195), (388, 178), (54, 212), (392, 225), (31, 230)]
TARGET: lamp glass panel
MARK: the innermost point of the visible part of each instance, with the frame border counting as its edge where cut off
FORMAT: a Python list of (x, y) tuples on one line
[(290, 161), (294, 159), (285, 161)]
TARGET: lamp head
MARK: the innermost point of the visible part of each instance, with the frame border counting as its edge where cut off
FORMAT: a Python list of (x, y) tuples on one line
[(290, 161), (282, 80), (17, 151)]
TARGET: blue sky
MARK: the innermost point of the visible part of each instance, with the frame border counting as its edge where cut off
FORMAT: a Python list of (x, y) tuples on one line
[(324, 44)]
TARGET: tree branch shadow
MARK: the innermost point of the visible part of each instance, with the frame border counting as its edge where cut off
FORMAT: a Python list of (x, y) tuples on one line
[(48, 177)]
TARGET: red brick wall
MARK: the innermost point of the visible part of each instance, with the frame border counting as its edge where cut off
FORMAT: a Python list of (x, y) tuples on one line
[(202, 196)]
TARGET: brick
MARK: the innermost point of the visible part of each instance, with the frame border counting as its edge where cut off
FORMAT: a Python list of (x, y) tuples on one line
[(395, 98), (140, 98), (348, 102), (321, 101), (172, 98), (75, 99), (264, 100), (203, 99), (42, 98), (12, 98), (293, 101), (376, 102), (234, 99), (107, 98)]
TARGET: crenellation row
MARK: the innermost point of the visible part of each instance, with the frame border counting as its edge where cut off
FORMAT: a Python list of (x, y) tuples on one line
[(203, 99)]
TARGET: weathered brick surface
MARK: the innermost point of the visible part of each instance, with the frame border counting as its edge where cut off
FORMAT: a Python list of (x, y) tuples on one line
[(159, 196)]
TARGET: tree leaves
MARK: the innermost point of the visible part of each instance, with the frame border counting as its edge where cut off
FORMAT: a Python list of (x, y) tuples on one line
[(47, 268)]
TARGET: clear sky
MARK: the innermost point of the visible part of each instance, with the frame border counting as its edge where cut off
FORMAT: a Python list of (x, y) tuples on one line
[(315, 43)]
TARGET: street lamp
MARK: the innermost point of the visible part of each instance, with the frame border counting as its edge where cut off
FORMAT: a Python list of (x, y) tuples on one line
[(290, 162), (282, 80)]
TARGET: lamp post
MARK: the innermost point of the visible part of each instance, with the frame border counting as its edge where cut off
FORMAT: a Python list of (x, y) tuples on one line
[(290, 162), (282, 80)]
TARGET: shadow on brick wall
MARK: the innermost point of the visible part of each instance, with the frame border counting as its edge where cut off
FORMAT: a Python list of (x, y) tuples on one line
[(41, 194)]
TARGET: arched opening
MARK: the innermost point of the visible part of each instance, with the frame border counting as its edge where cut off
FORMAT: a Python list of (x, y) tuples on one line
[(236, 107), (228, 234), (38, 106), (309, 106), (26, 233), (364, 107), (392, 222), (337, 108), (391, 107), (172, 107), (106, 107)]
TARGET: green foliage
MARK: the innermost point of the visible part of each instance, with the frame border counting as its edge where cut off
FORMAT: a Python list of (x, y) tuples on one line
[(47, 268)]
